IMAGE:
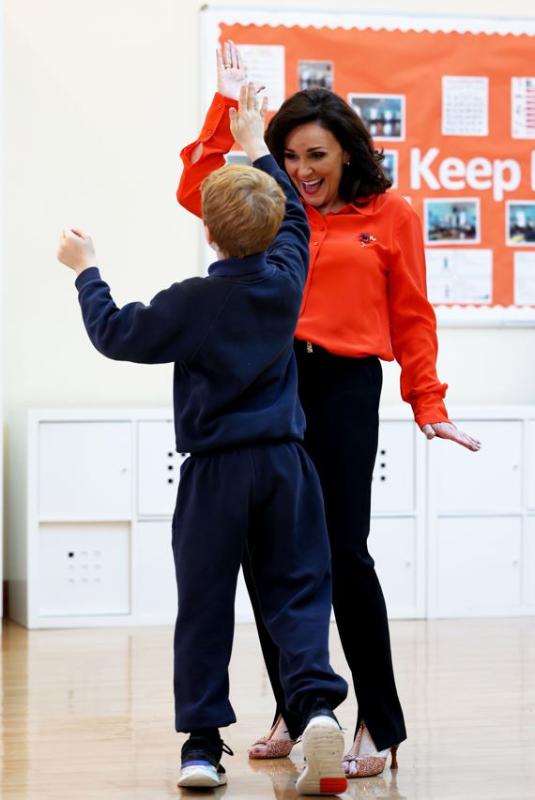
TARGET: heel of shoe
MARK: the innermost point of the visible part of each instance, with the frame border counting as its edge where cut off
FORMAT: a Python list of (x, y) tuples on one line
[(394, 754)]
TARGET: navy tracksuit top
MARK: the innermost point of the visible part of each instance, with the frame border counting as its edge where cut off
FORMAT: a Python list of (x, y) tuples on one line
[(230, 336)]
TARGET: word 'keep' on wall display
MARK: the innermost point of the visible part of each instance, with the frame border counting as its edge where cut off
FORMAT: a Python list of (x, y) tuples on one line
[(451, 101)]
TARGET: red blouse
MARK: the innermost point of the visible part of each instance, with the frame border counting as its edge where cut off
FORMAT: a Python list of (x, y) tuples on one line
[(366, 288)]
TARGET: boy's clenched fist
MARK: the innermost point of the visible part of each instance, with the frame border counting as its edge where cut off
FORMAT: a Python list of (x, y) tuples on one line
[(76, 250)]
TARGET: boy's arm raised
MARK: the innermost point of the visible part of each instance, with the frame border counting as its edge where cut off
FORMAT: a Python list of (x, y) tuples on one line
[(166, 330), (289, 250)]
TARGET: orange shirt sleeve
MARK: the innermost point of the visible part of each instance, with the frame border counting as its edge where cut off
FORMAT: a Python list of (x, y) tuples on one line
[(413, 323), (216, 140)]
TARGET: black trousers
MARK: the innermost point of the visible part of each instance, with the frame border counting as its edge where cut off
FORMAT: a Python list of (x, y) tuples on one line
[(340, 397), (265, 500)]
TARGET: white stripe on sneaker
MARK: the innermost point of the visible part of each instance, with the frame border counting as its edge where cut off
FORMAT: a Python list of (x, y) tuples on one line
[(201, 775)]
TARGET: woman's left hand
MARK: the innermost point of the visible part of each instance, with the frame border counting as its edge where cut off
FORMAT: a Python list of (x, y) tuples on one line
[(447, 430)]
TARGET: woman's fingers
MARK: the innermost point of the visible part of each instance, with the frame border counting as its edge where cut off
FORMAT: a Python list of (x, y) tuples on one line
[(235, 55), (447, 430), (428, 431)]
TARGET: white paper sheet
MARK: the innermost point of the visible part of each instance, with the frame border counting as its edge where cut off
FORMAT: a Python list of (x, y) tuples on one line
[(465, 105), (525, 279), (459, 276), (523, 108), (266, 66)]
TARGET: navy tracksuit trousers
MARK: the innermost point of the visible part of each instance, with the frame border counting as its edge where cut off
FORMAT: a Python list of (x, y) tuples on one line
[(263, 501)]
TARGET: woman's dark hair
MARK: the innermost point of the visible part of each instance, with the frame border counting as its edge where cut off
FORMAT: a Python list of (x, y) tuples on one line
[(364, 175)]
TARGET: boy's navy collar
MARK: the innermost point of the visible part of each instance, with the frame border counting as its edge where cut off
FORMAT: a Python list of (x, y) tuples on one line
[(246, 267)]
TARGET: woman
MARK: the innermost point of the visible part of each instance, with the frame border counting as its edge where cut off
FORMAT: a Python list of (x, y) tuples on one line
[(365, 300)]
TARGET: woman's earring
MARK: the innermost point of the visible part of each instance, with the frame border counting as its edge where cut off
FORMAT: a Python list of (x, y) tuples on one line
[(347, 163)]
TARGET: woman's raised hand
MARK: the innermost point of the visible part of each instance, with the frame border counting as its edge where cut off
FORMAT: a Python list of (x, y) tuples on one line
[(231, 71), (447, 430), (248, 122)]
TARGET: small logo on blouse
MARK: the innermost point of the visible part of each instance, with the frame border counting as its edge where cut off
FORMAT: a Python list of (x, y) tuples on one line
[(366, 239)]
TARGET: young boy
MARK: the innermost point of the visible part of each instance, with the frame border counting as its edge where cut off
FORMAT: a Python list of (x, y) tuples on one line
[(248, 483)]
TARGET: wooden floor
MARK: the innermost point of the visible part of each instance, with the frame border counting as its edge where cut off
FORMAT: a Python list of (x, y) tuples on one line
[(87, 714)]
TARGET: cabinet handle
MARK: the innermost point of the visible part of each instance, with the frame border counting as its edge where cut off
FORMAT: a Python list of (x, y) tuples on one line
[(515, 562)]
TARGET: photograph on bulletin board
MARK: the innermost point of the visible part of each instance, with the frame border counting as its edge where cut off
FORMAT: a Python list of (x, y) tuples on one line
[(451, 102)]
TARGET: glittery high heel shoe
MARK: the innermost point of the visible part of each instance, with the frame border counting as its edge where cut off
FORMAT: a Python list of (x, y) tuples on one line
[(365, 765), (269, 747)]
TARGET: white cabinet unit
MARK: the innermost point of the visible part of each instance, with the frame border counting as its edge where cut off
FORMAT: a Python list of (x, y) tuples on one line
[(452, 532), (480, 557)]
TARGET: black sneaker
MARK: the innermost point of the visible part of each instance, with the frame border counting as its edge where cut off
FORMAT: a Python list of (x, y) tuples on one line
[(200, 762)]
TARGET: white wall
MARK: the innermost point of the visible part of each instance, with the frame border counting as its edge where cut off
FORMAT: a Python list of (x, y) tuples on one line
[(100, 96)]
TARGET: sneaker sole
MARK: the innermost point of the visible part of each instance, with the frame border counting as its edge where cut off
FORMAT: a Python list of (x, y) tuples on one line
[(323, 747), (201, 777)]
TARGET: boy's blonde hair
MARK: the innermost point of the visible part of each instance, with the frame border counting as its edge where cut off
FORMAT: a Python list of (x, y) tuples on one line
[(243, 208)]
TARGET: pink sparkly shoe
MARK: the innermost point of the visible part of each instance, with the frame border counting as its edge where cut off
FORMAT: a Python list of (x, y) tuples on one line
[(368, 764), (268, 747)]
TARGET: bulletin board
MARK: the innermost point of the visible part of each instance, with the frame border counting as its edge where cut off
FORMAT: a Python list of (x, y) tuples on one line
[(452, 103)]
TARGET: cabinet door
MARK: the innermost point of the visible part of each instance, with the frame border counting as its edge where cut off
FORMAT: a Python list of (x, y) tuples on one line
[(477, 569), (85, 470), (393, 486), (154, 582), (529, 563), (158, 468), (489, 480), (530, 465), (84, 569), (392, 544)]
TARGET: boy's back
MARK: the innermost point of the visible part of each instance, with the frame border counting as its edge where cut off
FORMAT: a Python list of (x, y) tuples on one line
[(230, 336)]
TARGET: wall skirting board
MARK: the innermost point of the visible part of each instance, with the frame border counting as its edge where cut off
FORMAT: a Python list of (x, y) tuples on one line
[(452, 532)]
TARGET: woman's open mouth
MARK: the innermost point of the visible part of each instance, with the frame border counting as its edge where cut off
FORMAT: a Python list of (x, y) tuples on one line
[(311, 187)]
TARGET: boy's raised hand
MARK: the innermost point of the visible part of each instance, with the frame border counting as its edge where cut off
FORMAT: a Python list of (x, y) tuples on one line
[(249, 121), (76, 250)]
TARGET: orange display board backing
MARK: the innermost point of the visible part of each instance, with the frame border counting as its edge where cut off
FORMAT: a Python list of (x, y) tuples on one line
[(455, 113)]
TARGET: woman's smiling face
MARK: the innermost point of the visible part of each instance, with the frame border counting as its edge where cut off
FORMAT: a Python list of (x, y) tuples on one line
[(314, 160)]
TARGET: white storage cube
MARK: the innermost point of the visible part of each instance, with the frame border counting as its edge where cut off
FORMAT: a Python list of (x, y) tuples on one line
[(393, 486), (478, 566), (85, 470), (158, 468), (154, 582), (84, 569), (392, 544)]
